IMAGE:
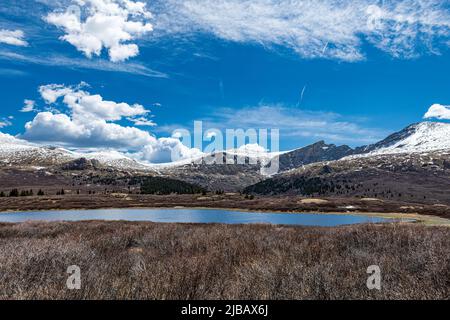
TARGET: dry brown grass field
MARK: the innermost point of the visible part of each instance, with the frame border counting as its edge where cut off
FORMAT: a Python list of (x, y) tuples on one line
[(131, 260)]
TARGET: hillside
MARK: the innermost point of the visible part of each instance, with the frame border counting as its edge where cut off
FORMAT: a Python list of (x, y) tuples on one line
[(416, 138), (412, 165)]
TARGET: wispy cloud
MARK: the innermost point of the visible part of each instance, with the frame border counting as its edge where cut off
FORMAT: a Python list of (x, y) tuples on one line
[(13, 37), (293, 123), (12, 72), (28, 106), (5, 122), (332, 29), (79, 63)]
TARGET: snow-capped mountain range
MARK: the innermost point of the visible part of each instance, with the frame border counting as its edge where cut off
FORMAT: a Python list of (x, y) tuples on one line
[(417, 138), (14, 151), (412, 165)]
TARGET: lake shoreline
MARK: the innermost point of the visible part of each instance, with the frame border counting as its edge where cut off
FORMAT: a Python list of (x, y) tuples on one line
[(198, 215), (396, 217), (428, 215)]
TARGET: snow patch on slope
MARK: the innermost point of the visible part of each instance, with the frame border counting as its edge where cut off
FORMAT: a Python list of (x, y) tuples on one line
[(420, 138), (115, 159), (15, 151), (8, 144)]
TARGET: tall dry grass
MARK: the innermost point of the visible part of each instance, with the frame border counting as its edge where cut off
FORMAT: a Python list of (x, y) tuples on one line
[(128, 260)]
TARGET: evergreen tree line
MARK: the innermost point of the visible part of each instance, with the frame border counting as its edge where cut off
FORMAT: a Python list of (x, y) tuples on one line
[(303, 185), (24, 193), (159, 185)]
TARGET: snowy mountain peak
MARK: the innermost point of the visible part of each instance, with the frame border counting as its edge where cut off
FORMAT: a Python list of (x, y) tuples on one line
[(416, 138)]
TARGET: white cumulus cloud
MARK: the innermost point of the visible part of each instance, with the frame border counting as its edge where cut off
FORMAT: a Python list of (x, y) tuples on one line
[(85, 106), (89, 121), (438, 111), (109, 24), (13, 37), (167, 150)]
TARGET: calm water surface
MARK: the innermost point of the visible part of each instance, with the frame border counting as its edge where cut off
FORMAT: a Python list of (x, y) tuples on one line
[(192, 216)]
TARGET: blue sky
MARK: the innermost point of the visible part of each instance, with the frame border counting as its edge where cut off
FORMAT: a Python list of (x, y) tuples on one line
[(333, 70)]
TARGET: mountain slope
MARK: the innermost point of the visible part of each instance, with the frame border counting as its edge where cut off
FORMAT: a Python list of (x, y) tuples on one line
[(316, 152), (415, 177), (416, 138), (17, 152), (410, 165), (235, 169)]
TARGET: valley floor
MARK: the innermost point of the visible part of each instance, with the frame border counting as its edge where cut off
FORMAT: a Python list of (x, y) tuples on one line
[(133, 260)]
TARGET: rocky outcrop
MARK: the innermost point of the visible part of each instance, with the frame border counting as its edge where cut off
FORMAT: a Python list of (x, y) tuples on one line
[(316, 152), (81, 164)]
